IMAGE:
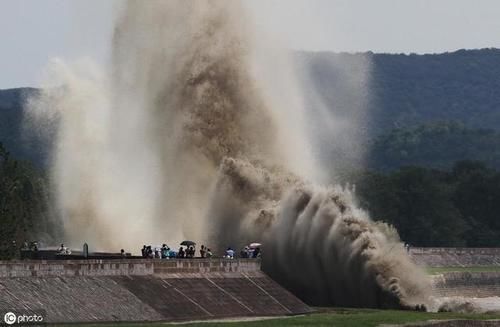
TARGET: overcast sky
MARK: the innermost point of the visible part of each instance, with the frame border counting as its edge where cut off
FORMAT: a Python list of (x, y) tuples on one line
[(33, 31)]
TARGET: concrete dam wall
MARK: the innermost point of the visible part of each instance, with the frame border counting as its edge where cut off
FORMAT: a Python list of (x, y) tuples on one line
[(191, 289), (143, 290)]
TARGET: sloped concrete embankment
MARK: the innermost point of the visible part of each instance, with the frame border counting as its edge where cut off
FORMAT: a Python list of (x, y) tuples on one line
[(467, 284), (456, 257), (143, 290), (462, 284)]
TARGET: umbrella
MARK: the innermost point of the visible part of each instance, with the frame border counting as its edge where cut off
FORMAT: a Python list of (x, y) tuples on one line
[(254, 245), (188, 243)]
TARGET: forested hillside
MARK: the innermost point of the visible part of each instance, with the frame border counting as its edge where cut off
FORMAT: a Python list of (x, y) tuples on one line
[(461, 86), (389, 95), (406, 90), (434, 145)]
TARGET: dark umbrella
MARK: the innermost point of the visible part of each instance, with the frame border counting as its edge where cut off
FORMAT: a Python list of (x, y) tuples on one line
[(188, 243)]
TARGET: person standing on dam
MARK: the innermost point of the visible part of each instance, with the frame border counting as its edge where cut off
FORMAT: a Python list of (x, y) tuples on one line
[(165, 251)]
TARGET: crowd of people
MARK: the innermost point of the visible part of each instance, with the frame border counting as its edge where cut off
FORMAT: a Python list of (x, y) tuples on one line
[(164, 252), (250, 252), (189, 251)]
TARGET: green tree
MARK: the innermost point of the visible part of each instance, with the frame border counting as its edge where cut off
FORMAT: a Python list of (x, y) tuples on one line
[(417, 201), (477, 196), (25, 213)]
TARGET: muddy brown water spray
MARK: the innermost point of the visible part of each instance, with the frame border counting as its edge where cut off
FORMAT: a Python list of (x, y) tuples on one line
[(184, 137)]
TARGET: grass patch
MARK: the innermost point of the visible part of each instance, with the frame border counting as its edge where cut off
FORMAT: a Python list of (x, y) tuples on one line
[(334, 317), (441, 270)]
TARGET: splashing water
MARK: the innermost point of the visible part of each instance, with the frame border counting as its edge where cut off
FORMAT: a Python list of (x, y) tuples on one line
[(191, 134)]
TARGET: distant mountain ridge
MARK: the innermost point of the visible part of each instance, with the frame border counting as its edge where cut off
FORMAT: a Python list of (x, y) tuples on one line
[(402, 92), (462, 86), (380, 99), (407, 90)]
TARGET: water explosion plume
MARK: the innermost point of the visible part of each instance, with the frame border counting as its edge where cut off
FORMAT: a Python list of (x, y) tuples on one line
[(187, 136)]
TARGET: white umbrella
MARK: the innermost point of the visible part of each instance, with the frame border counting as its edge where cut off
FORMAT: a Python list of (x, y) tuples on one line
[(254, 245)]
